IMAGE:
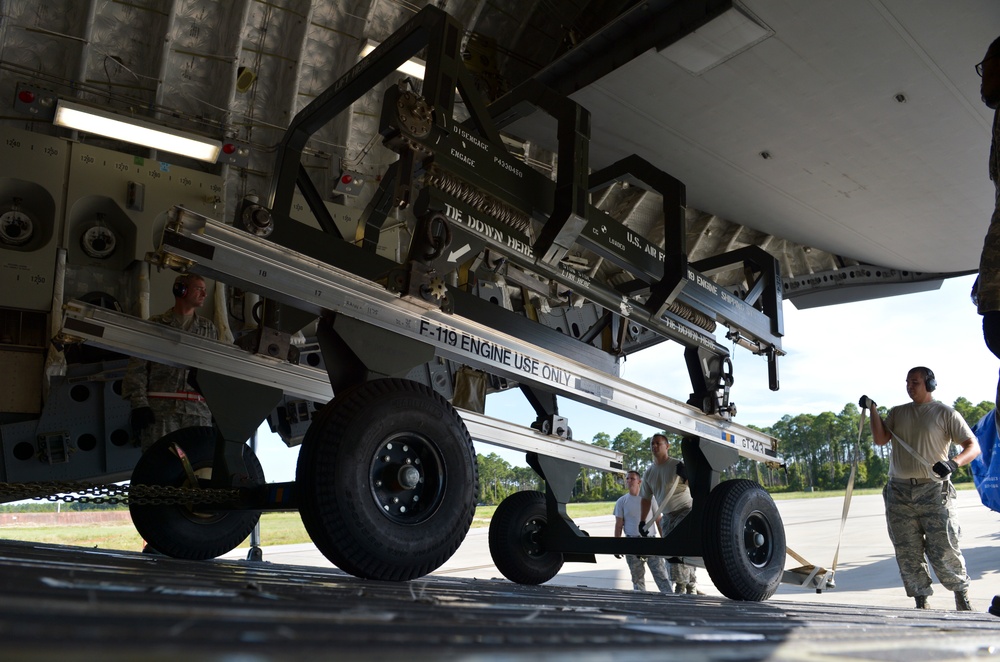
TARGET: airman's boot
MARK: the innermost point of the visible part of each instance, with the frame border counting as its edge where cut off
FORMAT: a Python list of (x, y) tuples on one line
[(922, 602), (962, 600)]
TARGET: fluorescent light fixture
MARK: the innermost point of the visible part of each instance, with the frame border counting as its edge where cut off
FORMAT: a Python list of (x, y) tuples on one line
[(412, 67), (140, 132), (722, 38)]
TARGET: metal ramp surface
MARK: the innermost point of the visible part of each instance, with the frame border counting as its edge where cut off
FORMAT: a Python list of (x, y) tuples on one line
[(73, 603)]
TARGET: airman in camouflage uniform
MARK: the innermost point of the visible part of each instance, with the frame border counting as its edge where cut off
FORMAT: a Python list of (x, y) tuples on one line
[(986, 291), (919, 498), (163, 398)]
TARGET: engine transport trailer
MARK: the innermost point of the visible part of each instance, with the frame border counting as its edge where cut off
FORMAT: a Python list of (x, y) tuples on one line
[(469, 272)]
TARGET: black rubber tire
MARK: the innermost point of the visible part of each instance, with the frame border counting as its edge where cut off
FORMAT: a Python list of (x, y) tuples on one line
[(179, 530), (743, 541), (515, 543), (387, 480)]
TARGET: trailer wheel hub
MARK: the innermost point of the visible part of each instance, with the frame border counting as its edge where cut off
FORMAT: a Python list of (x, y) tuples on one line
[(407, 478)]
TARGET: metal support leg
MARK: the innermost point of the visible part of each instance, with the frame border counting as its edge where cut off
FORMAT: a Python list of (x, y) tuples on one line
[(255, 554), (705, 461), (238, 408), (560, 477), (355, 352)]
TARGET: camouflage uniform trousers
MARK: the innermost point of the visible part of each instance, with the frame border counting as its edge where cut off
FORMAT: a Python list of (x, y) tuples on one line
[(173, 415), (682, 574), (922, 520), (637, 567)]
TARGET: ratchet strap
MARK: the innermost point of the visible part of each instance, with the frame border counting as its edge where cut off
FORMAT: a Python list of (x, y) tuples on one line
[(663, 504), (920, 458), (190, 396)]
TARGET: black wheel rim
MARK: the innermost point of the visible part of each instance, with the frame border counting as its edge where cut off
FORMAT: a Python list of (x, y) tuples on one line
[(531, 537), (758, 539), (407, 478)]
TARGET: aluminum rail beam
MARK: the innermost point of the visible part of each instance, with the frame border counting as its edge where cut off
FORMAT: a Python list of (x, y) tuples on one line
[(157, 342), (163, 344), (219, 251)]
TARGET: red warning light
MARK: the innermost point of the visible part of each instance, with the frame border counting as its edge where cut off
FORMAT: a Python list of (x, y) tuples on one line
[(346, 179), (228, 148), (26, 96)]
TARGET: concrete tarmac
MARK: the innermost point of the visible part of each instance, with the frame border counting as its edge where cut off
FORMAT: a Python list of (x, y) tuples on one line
[(866, 570)]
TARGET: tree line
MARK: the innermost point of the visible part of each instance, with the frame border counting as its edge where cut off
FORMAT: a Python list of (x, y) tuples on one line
[(818, 451)]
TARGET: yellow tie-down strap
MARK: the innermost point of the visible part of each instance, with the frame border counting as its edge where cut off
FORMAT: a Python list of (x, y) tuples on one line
[(807, 575), (812, 576)]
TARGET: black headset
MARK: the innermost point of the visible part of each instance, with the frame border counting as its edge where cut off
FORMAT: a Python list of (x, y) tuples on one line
[(180, 286), (930, 383)]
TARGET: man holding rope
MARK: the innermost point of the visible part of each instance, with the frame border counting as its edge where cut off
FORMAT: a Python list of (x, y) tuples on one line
[(919, 498)]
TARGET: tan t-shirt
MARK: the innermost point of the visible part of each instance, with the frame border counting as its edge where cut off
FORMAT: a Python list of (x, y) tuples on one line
[(656, 482), (929, 429)]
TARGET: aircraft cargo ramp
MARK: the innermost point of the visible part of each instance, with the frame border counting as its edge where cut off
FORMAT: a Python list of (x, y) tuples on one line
[(73, 603)]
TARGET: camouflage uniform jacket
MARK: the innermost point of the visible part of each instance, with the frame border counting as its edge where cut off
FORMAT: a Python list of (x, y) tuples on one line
[(145, 377)]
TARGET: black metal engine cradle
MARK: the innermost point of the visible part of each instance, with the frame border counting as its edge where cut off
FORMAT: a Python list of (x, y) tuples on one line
[(465, 188)]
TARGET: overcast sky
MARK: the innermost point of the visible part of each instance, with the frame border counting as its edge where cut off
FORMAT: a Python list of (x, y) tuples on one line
[(834, 355)]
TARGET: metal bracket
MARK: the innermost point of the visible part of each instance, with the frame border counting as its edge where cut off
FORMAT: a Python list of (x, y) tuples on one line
[(55, 447)]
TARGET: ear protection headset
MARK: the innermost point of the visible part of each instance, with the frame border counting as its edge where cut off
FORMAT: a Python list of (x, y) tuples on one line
[(930, 383), (180, 286)]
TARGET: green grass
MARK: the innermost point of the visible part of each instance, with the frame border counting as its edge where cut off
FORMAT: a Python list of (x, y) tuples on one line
[(287, 529), (105, 536), (591, 509), (275, 528)]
